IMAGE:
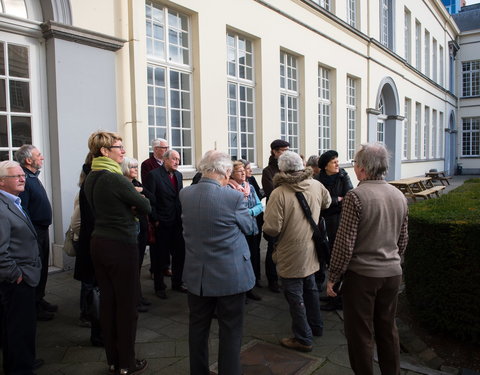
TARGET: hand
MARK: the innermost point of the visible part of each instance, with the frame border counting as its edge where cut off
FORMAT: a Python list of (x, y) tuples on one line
[(20, 279), (139, 189), (339, 199), (330, 291)]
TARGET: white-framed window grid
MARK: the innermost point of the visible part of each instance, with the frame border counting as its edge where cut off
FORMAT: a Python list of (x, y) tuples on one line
[(351, 106), (326, 4), (408, 35), (386, 23), (289, 100), (407, 123), (352, 12), (434, 60), (324, 110), (471, 136), (418, 119), (418, 45), (427, 53), (15, 101), (381, 120), (240, 97), (426, 133), (441, 63), (434, 133), (471, 78), (441, 133), (169, 79)]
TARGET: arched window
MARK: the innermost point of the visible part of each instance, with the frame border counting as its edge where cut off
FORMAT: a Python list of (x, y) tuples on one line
[(381, 120)]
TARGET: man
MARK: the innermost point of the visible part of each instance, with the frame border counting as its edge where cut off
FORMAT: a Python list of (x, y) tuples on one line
[(370, 242), (277, 148), (218, 270), (20, 268), (35, 202), (295, 254), (159, 147), (165, 183)]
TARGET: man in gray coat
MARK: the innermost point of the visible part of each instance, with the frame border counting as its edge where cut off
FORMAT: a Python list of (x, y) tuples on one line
[(20, 267), (217, 269)]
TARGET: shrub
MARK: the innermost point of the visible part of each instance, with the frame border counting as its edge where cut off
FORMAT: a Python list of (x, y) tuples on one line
[(442, 262)]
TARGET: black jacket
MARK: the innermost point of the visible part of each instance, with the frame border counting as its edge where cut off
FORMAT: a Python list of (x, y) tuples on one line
[(337, 185)]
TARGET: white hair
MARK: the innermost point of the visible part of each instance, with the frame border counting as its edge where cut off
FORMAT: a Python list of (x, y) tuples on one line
[(290, 161), (6, 165), (126, 164), (215, 162), (157, 141)]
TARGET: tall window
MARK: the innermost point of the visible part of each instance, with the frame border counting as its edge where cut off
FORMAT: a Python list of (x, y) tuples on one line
[(418, 45), (289, 98), (426, 133), (324, 111), (418, 116), (381, 120), (352, 12), (441, 78), (427, 53), (471, 78), (408, 36), (324, 4), (241, 99), (351, 116), (441, 133), (386, 23), (434, 60), (434, 134), (471, 136), (169, 77), (407, 123), (15, 105)]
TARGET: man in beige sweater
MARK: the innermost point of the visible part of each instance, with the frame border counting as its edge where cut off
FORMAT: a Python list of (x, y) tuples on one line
[(370, 242)]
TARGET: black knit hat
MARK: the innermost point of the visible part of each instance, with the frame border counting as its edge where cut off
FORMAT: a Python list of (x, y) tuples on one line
[(279, 143), (326, 157)]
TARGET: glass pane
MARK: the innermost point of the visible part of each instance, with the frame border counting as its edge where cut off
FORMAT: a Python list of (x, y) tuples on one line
[(3, 98), (185, 100), (175, 99), (151, 112), (19, 96), (3, 155), (175, 138), (187, 156), (2, 59), (3, 132), (174, 79), (160, 77), (187, 139), (161, 118), (186, 120), (21, 131), (151, 134), (175, 120), (16, 8), (18, 61)]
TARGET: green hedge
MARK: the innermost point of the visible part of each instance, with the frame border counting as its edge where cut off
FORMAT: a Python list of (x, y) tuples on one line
[(442, 262)]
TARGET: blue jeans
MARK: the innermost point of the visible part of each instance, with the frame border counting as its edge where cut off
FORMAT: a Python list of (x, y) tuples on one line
[(303, 297)]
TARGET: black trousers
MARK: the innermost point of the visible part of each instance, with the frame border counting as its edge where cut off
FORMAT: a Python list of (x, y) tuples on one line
[(19, 324), (270, 267), (253, 246), (229, 310), (116, 271), (43, 240)]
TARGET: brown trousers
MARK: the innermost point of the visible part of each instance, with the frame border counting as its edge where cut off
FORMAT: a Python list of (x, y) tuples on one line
[(369, 308), (116, 271)]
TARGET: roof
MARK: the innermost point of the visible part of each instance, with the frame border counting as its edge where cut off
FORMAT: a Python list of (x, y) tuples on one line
[(468, 18)]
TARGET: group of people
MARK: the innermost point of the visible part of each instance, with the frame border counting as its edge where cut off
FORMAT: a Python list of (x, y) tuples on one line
[(206, 238)]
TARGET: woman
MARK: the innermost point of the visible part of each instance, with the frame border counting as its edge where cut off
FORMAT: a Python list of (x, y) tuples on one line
[(115, 203), (337, 182), (130, 170), (238, 182)]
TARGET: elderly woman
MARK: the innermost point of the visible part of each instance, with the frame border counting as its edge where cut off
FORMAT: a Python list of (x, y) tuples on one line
[(130, 170), (338, 183), (294, 253), (238, 182), (115, 203)]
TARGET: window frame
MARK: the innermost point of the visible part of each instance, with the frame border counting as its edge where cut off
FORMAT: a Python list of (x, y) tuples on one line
[(473, 139), (351, 109), (289, 100), (324, 105), (470, 78)]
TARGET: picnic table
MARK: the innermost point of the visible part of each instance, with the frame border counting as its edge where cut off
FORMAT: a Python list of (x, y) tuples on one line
[(417, 187), (439, 176)]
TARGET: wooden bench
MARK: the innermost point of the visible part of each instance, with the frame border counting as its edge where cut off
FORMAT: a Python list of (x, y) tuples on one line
[(439, 176), (426, 193)]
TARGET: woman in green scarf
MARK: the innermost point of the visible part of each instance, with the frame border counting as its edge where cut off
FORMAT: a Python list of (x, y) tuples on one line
[(115, 203)]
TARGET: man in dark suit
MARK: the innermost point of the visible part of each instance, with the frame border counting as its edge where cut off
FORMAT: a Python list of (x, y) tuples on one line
[(159, 148), (218, 270), (20, 267), (165, 183)]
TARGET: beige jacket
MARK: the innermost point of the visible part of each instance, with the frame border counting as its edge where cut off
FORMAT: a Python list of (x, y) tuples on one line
[(284, 218)]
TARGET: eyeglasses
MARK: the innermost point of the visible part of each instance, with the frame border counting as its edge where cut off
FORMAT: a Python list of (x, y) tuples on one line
[(353, 162), (122, 148), (134, 167), (17, 176), (162, 147)]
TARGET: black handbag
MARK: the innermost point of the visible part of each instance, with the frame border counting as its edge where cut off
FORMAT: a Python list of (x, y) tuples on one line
[(320, 237)]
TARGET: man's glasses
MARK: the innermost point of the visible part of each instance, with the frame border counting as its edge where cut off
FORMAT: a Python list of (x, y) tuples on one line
[(17, 176)]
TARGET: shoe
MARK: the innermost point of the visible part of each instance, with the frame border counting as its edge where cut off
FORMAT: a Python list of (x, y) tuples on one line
[(292, 343), (274, 287), (48, 306), (167, 272), (38, 363), (325, 299), (331, 306), (180, 288), (84, 322), (145, 302), (161, 294), (44, 316), (142, 308), (252, 295), (112, 369), (140, 366)]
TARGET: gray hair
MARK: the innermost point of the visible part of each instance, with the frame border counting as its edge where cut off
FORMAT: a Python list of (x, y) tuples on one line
[(157, 141), (215, 162), (6, 165), (373, 157), (313, 161), (290, 161), (24, 153), (169, 153), (126, 164)]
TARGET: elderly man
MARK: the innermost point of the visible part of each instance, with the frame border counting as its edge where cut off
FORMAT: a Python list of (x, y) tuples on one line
[(218, 270), (159, 148), (370, 242), (35, 202), (294, 253), (165, 183), (20, 268)]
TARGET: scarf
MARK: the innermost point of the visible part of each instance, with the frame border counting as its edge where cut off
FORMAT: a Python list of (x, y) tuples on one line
[(245, 188), (104, 163)]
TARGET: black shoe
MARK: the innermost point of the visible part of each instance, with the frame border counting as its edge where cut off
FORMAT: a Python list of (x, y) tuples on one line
[(145, 302), (274, 287), (142, 308), (38, 363), (140, 366), (252, 295), (161, 294), (48, 306), (44, 316), (180, 288)]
